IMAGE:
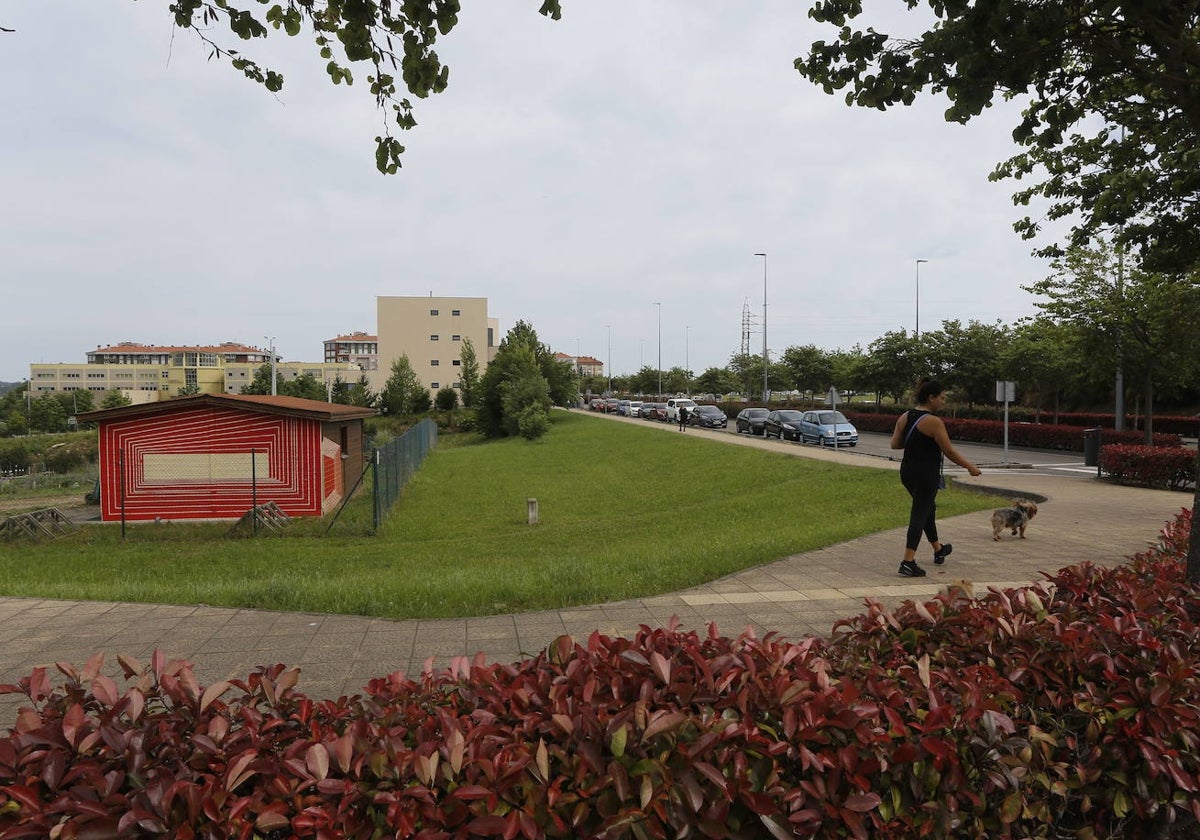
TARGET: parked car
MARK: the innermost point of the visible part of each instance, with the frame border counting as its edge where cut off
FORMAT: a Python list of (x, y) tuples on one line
[(598, 405), (675, 403), (751, 420), (654, 411), (635, 408), (610, 405), (707, 417), (623, 408), (783, 423), (826, 427)]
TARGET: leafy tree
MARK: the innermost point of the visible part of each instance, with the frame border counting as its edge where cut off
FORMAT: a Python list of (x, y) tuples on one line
[(809, 368), (114, 399), (361, 394), (385, 36), (1042, 357), (676, 381), (189, 390), (1113, 119), (894, 363), (261, 383), (645, 381), (848, 367), (1150, 319), (717, 380), (966, 358), (46, 414), (305, 386), (339, 391), (446, 399), (508, 365), (469, 376), (525, 396), (402, 391)]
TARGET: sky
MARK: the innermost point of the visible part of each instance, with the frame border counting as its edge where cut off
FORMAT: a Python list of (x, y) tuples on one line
[(608, 178)]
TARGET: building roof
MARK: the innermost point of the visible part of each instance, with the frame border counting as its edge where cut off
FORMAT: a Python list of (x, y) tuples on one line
[(134, 347), (356, 336), (260, 404)]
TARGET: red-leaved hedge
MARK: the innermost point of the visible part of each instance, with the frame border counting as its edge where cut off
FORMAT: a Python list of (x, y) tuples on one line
[(1035, 435), (1063, 709), (1170, 467)]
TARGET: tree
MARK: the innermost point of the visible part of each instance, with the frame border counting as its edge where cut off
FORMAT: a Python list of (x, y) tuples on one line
[(446, 399), (966, 358), (46, 414), (306, 387), (469, 377), (675, 381), (716, 380), (1042, 357), (1113, 117), (261, 383), (894, 363), (189, 390), (809, 368), (386, 36), (525, 396), (114, 399), (339, 391), (402, 391), (509, 365), (360, 393), (1148, 321)]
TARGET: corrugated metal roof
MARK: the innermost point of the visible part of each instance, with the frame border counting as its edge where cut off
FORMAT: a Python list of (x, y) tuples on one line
[(264, 404)]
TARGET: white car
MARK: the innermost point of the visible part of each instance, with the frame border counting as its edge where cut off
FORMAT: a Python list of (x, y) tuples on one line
[(635, 408), (673, 406)]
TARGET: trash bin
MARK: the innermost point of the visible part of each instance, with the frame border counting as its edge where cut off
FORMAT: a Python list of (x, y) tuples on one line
[(1091, 447)]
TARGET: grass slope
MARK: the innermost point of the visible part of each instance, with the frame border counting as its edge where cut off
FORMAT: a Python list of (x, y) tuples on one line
[(625, 511)]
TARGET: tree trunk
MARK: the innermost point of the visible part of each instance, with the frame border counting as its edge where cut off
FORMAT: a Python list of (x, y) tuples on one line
[(1193, 555), (1149, 428)]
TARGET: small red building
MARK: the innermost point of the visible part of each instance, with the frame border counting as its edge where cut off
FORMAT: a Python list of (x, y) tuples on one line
[(213, 456)]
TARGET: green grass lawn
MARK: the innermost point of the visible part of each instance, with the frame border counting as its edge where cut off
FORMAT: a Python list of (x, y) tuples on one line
[(626, 511)]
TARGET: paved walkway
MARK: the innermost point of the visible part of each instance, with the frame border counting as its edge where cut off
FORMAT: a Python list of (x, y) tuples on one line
[(1082, 519)]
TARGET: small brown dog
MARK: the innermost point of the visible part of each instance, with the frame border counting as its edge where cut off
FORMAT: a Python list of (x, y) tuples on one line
[(1013, 518)]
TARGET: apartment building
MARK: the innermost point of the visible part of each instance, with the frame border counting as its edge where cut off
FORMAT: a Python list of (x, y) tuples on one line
[(582, 365), (149, 373), (431, 331), (356, 348)]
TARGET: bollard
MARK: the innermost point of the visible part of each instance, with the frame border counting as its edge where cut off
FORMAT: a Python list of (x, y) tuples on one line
[(532, 508)]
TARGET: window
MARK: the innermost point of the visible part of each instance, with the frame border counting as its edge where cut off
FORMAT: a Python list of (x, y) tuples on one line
[(434, 385), (433, 312), (433, 338), (433, 362), (166, 374), (455, 384), (456, 338), (456, 362), (455, 312)]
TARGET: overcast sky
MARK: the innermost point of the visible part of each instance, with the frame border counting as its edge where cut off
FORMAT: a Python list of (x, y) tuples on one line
[(574, 173)]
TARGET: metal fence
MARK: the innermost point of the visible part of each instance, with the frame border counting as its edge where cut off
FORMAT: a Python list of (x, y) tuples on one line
[(397, 461)]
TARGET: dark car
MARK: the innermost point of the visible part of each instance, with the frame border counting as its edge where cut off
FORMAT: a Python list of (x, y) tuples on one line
[(783, 424), (828, 428), (707, 417), (751, 420), (654, 411)]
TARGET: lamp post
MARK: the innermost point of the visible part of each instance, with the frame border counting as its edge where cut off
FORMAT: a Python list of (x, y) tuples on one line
[(766, 390), (271, 339), (659, 305), (917, 328), (608, 333), (687, 364)]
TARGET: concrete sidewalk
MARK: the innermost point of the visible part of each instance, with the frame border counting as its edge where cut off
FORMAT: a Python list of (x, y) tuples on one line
[(1082, 520)]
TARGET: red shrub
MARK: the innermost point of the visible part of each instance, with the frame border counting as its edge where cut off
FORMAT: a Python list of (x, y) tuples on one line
[(1035, 435), (1173, 468), (1068, 707)]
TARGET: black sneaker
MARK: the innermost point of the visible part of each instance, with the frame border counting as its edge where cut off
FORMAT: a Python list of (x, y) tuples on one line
[(939, 556), (909, 568)]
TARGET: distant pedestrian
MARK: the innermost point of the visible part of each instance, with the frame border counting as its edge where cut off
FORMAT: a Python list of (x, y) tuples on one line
[(923, 437), (683, 418)]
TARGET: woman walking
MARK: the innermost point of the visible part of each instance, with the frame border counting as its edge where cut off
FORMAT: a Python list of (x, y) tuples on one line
[(922, 435)]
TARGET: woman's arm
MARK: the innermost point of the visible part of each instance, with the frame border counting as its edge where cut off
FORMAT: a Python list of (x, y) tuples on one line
[(898, 432), (937, 430)]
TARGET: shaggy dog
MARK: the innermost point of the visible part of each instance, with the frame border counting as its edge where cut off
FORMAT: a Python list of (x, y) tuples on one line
[(1013, 518)]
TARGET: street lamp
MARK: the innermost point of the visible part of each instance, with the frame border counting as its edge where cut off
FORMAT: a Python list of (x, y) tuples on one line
[(659, 305), (766, 390), (271, 339), (608, 332), (687, 364), (917, 330)]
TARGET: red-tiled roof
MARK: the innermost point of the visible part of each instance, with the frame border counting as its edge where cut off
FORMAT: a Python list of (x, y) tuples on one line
[(134, 347), (353, 337), (264, 404)]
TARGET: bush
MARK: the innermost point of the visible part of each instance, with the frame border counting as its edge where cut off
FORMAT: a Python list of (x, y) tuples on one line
[(1173, 468), (1065, 708), (1035, 435)]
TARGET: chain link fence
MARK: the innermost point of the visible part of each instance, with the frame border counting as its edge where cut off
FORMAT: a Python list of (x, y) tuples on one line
[(396, 462)]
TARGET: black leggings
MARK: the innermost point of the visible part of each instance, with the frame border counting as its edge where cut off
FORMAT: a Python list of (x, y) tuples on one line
[(924, 490)]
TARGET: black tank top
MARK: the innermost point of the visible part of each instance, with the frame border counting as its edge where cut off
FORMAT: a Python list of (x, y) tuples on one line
[(921, 452)]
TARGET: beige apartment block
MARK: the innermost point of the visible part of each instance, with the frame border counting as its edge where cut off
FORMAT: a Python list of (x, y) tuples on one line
[(431, 331), (149, 373), (358, 348)]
